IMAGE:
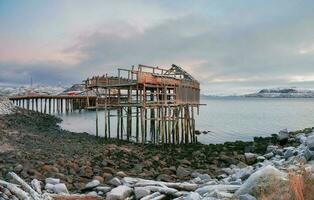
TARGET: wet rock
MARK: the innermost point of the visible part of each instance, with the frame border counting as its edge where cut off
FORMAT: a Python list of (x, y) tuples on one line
[(165, 177), (49, 187), (52, 181), (108, 170), (260, 158), (60, 188), (247, 197), (308, 154), (103, 189), (99, 178), (288, 152), (92, 184), (269, 155), (92, 193), (283, 135), (106, 176), (182, 172), (310, 142), (18, 168), (250, 158), (119, 193), (121, 174), (271, 148), (114, 181)]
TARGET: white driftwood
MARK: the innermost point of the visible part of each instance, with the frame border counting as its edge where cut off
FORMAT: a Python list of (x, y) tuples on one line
[(36, 186), (73, 197), (15, 190), (179, 186), (151, 196), (162, 196), (27, 188)]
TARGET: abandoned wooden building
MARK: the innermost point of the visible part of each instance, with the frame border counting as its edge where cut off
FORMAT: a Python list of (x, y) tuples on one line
[(150, 104)]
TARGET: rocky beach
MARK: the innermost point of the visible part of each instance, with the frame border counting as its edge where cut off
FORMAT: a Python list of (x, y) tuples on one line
[(59, 164)]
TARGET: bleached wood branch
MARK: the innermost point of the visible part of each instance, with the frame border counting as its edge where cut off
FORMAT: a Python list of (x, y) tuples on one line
[(27, 188)]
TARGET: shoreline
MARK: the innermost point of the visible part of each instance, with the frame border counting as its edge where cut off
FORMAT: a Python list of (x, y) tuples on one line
[(34, 146)]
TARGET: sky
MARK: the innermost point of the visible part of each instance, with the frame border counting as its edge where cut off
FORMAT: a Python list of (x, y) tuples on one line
[(230, 46)]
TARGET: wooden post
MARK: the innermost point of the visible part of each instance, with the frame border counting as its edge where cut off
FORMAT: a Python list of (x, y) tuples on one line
[(49, 105), (32, 104), (142, 125), (27, 103), (45, 109), (118, 123), (121, 127), (36, 104), (97, 117), (61, 104)]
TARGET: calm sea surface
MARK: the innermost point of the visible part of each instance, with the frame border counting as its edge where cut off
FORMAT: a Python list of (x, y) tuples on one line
[(228, 119)]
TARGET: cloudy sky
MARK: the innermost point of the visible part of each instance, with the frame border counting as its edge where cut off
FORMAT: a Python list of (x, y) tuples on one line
[(229, 45)]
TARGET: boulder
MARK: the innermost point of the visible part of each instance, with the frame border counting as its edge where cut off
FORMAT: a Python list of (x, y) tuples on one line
[(165, 177), (250, 158), (60, 188), (260, 158), (121, 174), (262, 177), (310, 142), (308, 154), (269, 155), (271, 148), (119, 193), (288, 153), (49, 187), (92, 184), (103, 189), (52, 181), (114, 181), (18, 168), (283, 135), (182, 172)]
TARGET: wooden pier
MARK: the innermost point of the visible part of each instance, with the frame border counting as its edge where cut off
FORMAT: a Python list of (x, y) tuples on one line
[(144, 103), (159, 102), (54, 104)]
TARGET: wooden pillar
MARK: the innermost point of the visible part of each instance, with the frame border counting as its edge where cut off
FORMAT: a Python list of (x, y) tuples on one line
[(129, 115), (49, 105), (118, 123), (32, 104), (121, 127), (36, 105), (142, 125), (58, 105), (27, 103), (45, 109), (97, 117), (61, 104)]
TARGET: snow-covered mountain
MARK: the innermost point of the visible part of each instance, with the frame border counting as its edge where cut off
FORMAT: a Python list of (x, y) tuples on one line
[(283, 93), (31, 90)]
